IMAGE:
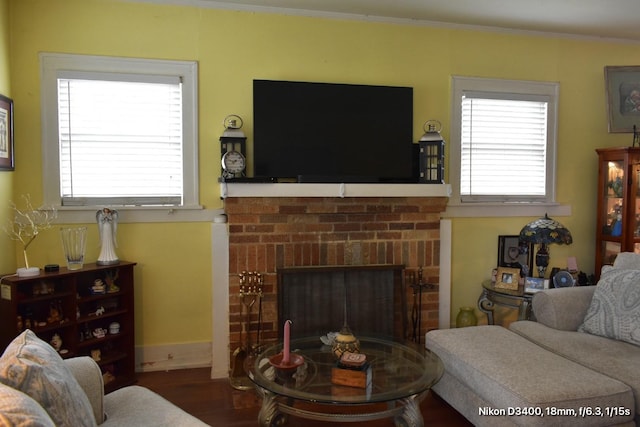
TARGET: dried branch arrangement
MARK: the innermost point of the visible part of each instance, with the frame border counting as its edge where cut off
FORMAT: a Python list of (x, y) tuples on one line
[(28, 222)]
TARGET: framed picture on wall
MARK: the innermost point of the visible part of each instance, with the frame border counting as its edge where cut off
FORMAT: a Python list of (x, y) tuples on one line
[(6, 134), (516, 254), (623, 97)]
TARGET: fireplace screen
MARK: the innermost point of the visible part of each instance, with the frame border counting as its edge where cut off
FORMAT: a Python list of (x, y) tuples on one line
[(371, 299)]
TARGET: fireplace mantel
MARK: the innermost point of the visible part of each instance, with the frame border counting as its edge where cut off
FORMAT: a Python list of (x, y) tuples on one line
[(247, 189)]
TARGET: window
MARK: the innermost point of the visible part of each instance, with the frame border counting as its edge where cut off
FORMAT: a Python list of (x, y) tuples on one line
[(503, 141), (119, 132)]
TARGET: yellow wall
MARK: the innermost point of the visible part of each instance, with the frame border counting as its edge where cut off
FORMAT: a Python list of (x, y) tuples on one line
[(233, 48), (7, 254)]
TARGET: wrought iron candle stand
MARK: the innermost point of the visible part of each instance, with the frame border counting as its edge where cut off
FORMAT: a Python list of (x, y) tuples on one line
[(250, 296), (418, 287)]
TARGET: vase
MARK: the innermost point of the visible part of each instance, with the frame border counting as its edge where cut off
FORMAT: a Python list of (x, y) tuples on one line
[(466, 317)]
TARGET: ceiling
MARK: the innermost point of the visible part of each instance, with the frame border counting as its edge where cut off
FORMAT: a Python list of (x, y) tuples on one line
[(611, 19)]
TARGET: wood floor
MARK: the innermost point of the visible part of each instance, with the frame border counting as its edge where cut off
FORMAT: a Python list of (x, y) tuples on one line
[(216, 403)]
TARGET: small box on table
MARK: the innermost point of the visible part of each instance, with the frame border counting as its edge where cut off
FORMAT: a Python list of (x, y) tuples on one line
[(352, 370)]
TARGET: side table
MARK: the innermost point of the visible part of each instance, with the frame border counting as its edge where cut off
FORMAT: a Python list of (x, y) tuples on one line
[(516, 298)]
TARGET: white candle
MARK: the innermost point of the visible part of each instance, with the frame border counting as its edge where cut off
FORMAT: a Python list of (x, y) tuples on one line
[(287, 336)]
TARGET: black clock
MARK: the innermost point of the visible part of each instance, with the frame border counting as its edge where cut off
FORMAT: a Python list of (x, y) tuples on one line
[(233, 142)]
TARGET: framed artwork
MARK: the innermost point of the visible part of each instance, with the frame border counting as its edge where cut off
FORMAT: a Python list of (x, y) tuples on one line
[(508, 278), (534, 284), (6, 134), (623, 97), (514, 253)]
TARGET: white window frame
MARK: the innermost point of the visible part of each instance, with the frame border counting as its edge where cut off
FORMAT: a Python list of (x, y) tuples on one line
[(526, 206), (52, 65)]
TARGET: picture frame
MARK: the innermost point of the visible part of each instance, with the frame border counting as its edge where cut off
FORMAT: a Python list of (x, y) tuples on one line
[(622, 85), (514, 253), (534, 284), (6, 134), (507, 278)]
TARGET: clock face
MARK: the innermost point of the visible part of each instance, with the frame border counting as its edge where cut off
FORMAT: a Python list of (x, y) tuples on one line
[(233, 162)]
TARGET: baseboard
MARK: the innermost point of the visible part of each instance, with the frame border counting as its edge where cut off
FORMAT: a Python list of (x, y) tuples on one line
[(173, 356)]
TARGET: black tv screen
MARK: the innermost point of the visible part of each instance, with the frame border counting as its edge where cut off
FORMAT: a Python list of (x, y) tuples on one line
[(328, 132)]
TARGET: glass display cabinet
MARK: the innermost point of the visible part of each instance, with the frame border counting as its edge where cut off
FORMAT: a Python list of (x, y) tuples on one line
[(618, 219)]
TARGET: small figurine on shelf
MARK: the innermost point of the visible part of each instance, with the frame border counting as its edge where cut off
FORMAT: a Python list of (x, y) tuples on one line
[(56, 342), (107, 377), (87, 332), (616, 186), (110, 277), (114, 328), (19, 324), (98, 287), (55, 314), (43, 288)]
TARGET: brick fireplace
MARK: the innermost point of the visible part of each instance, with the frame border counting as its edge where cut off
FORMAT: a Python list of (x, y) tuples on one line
[(267, 233)]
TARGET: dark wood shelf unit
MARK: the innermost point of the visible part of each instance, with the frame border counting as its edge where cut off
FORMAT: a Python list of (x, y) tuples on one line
[(34, 300)]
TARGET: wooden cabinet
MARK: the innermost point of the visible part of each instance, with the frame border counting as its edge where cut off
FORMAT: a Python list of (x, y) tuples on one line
[(618, 219), (90, 310)]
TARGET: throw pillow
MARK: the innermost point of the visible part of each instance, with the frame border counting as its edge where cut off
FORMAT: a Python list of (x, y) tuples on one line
[(615, 308), (18, 409), (627, 261), (35, 368)]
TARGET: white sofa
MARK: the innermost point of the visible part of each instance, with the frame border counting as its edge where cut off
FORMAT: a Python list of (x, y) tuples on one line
[(39, 388), (577, 364)]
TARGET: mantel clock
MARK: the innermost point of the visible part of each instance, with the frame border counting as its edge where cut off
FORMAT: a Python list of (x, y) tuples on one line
[(233, 145)]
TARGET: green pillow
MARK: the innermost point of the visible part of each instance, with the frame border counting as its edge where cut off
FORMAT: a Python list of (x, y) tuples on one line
[(35, 368)]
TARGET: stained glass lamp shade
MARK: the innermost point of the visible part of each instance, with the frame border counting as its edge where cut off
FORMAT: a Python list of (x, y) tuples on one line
[(544, 231)]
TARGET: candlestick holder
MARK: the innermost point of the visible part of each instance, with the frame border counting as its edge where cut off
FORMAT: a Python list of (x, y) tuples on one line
[(286, 370), (295, 360)]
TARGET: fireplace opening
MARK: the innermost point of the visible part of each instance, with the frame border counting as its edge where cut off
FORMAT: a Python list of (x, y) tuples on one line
[(317, 299)]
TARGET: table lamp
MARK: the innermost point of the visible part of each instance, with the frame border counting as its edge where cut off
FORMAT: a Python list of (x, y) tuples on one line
[(544, 231)]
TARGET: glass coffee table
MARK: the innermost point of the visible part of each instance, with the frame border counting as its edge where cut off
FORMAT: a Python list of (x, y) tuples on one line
[(400, 377)]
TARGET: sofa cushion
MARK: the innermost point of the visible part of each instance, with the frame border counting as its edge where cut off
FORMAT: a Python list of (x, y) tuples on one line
[(19, 410), (615, 359), (508, 371), (562, 308), (627, 261), (35, 368), (615, 308)]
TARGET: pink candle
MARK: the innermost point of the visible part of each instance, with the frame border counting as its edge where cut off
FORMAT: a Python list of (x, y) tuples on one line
[(287, 336)]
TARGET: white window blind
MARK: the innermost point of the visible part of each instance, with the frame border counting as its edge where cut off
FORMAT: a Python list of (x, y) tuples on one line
[(121, 140), (503, 141)]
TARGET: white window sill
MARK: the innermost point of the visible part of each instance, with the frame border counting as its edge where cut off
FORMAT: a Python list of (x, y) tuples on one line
[(480, 210), (82, 215)]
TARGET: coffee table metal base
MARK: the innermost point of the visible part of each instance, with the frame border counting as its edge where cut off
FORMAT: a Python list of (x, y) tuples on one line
[(274, 411)]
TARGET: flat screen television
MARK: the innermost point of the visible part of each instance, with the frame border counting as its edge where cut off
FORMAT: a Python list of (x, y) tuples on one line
[(328, 132)]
